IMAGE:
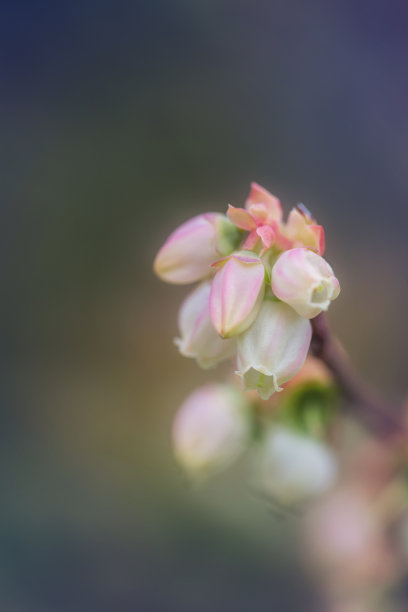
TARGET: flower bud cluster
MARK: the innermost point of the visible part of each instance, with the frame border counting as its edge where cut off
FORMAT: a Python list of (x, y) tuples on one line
[(260, 281)]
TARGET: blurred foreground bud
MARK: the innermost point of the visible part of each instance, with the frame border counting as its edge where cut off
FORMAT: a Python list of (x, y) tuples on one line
[(349, 544), (305, 281), (187, 254), (291, 468), (198, 336), (273, 349), (210, 430), (237, 292)]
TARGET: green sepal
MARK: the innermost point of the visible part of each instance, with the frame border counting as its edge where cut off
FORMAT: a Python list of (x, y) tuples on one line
[(309, 407)]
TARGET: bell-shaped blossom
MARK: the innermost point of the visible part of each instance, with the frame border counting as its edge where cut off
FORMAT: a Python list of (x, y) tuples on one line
[(290, 468), (273, 349), (301, 230), (305, 281), (198, 338), (211, 429), (237, 292), (260, 217), (187, 254)]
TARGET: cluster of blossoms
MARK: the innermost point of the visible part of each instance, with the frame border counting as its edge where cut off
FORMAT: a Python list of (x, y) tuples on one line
[(260, 281), (257, 291)]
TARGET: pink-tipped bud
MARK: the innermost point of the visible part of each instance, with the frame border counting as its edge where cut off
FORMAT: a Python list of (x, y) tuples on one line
[(187, 254), (305, 281), (198, 338), (210, 430), (273, 349), (237, 292)]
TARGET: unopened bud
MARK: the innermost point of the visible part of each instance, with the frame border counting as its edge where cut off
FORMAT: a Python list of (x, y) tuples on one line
[(198, 338), (187, 254), (236, 293), (291, 468), (211, 430), (305, 281)]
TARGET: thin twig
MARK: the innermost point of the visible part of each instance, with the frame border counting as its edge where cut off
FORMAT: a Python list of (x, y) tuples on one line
[(384, 419)]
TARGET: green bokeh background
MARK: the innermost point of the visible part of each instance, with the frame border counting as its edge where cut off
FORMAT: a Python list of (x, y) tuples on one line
[(119, 120)]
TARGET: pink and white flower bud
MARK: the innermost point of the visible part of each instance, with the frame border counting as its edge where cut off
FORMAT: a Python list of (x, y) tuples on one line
[(237, 292), (211, 429), (291, 468), (187, 254), (273, 349), (305, 281), (198, 338)]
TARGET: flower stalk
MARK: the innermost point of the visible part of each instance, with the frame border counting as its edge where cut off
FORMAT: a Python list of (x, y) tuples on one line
[(383, 419)]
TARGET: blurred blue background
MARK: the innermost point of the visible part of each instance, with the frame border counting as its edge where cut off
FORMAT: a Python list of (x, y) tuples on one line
[(119, 120)]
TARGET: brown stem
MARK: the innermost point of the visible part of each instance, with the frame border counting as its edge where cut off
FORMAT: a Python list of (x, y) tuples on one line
[(383, 419)]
